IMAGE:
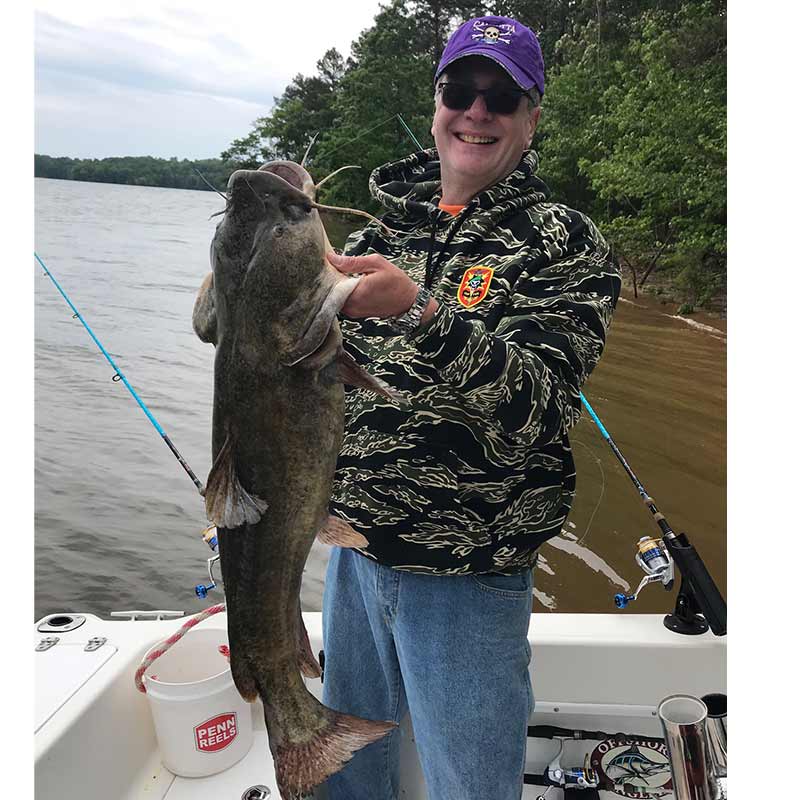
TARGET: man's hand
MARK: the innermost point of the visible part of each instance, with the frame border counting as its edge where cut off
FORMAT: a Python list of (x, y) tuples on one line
[(384, 291)]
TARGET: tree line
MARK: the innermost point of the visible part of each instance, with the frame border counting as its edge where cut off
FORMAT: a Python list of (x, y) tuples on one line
[(137, 171), (632, 132)]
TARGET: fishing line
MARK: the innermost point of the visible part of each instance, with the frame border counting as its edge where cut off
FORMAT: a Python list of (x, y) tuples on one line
[(118, 376), (369, 130), (602, 490)]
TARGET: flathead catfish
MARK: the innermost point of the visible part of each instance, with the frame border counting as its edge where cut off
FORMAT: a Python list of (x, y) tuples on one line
[(269, 307)]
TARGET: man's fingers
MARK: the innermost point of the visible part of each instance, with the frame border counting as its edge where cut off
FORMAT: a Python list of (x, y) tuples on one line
[(353, 263)]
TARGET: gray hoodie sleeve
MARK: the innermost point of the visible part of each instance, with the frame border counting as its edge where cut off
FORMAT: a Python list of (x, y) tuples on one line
[(527, 374)]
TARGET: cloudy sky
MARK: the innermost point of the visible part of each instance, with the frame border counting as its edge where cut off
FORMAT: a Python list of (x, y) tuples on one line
[(169, 77)]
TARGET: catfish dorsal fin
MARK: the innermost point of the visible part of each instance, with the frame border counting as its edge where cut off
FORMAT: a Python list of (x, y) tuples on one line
[(228, 503)]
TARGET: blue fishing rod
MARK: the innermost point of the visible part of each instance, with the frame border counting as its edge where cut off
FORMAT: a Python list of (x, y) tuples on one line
[(118, 376), (698, 593)]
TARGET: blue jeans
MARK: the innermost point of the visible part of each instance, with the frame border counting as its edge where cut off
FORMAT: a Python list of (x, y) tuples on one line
[(451, 650)]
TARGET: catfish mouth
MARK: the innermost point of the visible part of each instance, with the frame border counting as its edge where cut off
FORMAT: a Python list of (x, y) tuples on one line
[(294, 174), (263, 183)]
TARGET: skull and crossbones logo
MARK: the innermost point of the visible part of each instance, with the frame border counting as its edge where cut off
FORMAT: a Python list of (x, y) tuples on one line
[(492, 34)]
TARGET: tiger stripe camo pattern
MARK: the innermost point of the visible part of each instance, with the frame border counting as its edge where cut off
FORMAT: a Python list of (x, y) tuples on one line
[(476, 472)]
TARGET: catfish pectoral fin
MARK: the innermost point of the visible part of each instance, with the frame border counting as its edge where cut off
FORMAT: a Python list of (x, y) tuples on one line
[(337, 532), (352, 374), (228, 503), (204, 313)]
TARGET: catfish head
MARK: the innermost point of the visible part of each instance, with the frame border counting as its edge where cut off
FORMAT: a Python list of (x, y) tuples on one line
[(272, 284)]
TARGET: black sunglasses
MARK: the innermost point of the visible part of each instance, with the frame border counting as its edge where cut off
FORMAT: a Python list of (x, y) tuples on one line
[(461, 96)]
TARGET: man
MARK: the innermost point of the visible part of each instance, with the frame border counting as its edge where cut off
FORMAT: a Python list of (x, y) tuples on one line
[(488, 308)]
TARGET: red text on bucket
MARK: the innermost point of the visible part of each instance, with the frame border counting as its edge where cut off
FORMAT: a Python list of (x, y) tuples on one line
[(216, 733)]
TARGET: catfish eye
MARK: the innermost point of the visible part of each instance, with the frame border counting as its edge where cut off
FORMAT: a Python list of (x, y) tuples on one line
[(278, 230)]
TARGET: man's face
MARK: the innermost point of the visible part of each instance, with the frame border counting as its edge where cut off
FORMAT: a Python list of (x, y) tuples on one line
[(480, 165)]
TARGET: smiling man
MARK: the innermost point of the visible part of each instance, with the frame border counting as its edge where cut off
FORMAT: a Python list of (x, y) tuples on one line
[(488, 308)]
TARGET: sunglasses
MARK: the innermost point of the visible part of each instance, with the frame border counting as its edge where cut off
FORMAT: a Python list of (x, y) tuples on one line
[(461, 96)]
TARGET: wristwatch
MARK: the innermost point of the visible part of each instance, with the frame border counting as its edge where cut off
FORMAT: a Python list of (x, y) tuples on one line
[(408, 322)]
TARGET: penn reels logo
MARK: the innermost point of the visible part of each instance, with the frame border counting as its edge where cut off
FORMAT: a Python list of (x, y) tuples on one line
[(637, 768), (217, 733)]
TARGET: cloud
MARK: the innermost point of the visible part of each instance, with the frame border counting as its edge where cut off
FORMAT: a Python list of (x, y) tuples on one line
[(124, 60), (167, 80), (134, 121)]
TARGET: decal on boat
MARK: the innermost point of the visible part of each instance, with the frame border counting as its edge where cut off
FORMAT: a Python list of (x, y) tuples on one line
[(637, 767), (216, 733)]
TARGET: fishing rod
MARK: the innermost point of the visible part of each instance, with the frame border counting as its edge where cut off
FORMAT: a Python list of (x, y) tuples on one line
[(698, 592), (118, 376)]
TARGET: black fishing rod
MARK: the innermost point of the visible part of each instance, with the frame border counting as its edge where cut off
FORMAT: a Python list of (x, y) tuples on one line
[(698, 592), (118, 376)]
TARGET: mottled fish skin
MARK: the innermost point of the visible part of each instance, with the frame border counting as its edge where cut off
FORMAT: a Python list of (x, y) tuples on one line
[(270, 310)]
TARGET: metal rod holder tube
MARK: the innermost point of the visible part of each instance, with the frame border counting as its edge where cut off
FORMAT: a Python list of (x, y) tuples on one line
[(717, 732), (683, 719)]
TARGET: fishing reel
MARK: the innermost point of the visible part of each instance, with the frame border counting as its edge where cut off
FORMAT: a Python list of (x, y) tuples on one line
[(209, 535), (657, 564), (570, 778)]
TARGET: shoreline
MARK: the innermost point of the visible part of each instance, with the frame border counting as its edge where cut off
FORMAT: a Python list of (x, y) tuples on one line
[(703, 319)]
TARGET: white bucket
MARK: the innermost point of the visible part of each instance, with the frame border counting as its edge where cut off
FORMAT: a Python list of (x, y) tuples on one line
[(202, 724)]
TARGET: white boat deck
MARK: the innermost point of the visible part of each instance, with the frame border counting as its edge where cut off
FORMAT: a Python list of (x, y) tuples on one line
[(95, 738)]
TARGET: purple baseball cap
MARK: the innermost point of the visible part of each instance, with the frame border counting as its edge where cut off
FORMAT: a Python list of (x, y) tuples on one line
[(506, 41)]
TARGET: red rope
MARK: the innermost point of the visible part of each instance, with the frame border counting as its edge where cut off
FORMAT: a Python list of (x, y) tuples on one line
[(158, 650)]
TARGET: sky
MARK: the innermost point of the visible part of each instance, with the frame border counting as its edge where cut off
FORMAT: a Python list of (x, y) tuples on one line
[(171, 78)]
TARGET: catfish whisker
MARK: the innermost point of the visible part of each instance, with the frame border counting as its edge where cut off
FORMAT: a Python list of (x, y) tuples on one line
[(336, 172), (260, 200), (321, 207), (209, 184), (228, 206), (308, 149)]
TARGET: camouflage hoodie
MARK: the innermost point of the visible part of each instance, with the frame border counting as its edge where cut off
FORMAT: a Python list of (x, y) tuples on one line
[(477, 471)]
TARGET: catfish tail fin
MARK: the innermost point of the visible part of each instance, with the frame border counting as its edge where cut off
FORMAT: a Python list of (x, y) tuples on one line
[(303, 764)]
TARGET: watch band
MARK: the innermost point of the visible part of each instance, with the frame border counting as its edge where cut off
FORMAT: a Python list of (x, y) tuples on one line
[(409, 321)]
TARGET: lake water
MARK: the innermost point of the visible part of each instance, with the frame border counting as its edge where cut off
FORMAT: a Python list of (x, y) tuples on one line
[(118, 522)]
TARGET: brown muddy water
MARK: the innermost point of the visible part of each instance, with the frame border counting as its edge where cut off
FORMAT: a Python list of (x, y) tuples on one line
[(117, 521)]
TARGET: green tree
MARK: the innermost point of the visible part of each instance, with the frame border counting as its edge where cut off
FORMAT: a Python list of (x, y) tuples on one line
[(662, 175), (305, 108)]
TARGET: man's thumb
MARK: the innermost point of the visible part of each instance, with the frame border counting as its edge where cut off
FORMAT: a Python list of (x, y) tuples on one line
[(345, 263)]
